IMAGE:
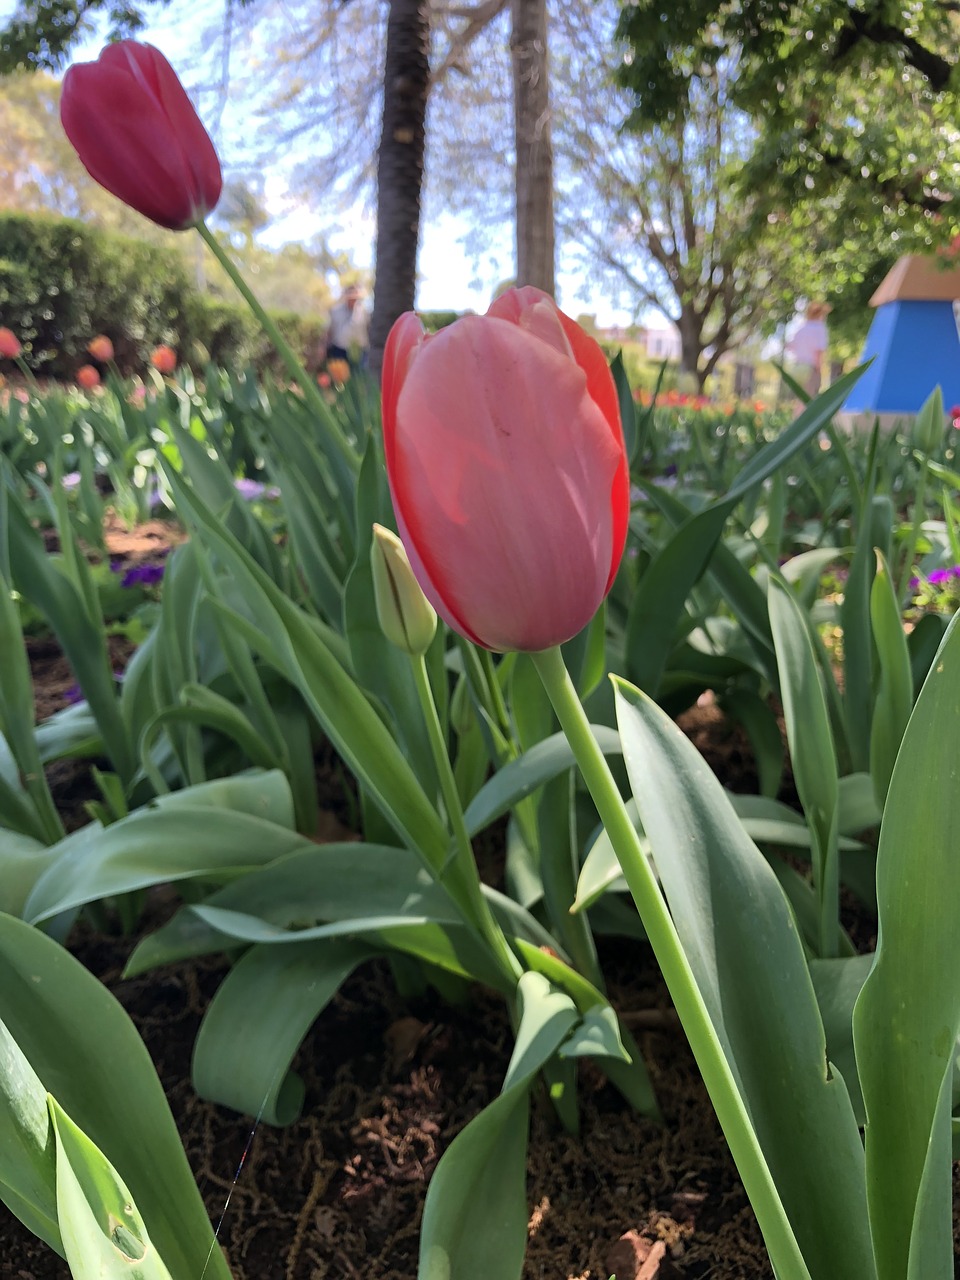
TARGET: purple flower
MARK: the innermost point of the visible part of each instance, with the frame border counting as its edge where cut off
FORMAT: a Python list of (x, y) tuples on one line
[(71, 480), (944, 575), (73, 695), (249, 490), (143, 575)]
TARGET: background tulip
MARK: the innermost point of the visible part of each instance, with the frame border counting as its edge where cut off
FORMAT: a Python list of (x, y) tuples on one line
[(507, 469), (136, 132), (101, 348), (164, 359), (88, 377), (9, 344)]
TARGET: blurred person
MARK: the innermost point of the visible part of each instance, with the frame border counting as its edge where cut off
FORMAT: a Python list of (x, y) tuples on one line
[(809, 345), (347, 337)]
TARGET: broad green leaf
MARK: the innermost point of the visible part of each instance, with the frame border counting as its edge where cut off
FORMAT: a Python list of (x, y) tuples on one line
[(295, 646), (150, 847), (601, 870), (893, 701), (22, 862), (255, 1023), (812, 751), (838, 984), (521, 777), (104, 1236), (87, 1053), (907, 1019), (475, 1216), (28, 1179), (741, 941)]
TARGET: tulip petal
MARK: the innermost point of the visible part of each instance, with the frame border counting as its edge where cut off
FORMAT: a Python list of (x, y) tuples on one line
[(502, 467)]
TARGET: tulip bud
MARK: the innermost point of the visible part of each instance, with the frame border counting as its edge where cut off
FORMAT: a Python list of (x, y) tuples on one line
[(131, 123), (406, 616), (928, 426), (88, 377), (164, 359), (9, 345), (100, 348)]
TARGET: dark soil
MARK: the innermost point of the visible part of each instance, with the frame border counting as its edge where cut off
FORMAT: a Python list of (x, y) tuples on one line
[(389, 1083)]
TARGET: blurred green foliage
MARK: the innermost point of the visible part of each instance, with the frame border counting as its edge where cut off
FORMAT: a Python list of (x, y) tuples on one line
[(62, 282)]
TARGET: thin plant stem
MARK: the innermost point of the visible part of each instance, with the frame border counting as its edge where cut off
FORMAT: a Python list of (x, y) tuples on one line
[(292, 364), (681, 983), (903, 586), (469, 878)]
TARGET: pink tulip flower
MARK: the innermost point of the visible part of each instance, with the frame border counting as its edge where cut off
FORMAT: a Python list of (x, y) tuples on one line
[(164, 359), (131, 123), (88, 377), (101, 348), (9, 345), (507, 468)]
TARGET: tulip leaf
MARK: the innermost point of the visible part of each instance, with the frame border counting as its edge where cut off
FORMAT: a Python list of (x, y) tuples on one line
[(907, 1019), (742, 944), (812, 751), (257, 1019), (85, 1050), (894, 697), (104, 1236), (28, 1185), (658, 603), (521, 777), (475, 1216)]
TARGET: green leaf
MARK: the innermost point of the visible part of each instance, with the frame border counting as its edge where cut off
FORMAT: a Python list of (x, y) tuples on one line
[(894, 697), (907, 1019), (475, 1216), (28, 1178), (659, 601), (812, 751), (87, 1053), (521, 777), (150, 847), (104, 1236), (741, 941), (255, 1023)]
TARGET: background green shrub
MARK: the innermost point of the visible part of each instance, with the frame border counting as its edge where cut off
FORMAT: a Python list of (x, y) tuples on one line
[(62, 282)]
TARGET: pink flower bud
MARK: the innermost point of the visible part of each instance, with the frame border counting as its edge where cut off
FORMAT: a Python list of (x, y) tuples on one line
[(164, 359), (101, 348), (507, 468), (9, 345), (136, 132)]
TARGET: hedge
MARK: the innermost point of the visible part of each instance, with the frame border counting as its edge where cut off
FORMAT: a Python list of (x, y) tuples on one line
[(62, 282)]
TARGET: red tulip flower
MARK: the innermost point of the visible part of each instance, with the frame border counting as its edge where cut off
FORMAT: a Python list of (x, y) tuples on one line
[(101, 348), (136, 132), (9, 345), (507, 468), (164, 359), (88, 377)]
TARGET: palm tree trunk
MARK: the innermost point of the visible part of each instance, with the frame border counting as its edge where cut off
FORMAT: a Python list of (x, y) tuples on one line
[(400, 168), (534, 146)]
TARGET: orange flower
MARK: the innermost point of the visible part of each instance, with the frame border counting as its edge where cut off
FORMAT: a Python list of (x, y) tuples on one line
[(101, 348), (339, 371), (88, 377), (9, 345), (164, 359)]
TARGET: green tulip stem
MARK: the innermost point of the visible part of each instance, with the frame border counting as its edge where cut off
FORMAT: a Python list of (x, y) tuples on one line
[(906, 572), (293, 366), (681, 983), (497, 701), (468, 877)]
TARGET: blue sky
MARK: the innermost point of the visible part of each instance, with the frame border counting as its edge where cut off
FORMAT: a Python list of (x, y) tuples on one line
[(449, 277)]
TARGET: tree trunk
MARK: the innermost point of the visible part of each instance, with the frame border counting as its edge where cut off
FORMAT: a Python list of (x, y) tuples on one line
[(534, 171), (690, 346), (400, 168)]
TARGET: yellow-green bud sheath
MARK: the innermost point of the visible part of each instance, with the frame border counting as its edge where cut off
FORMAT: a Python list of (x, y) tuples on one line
[(406, 616)]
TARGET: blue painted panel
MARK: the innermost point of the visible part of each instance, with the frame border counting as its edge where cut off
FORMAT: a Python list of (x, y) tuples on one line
[(915, 345)]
